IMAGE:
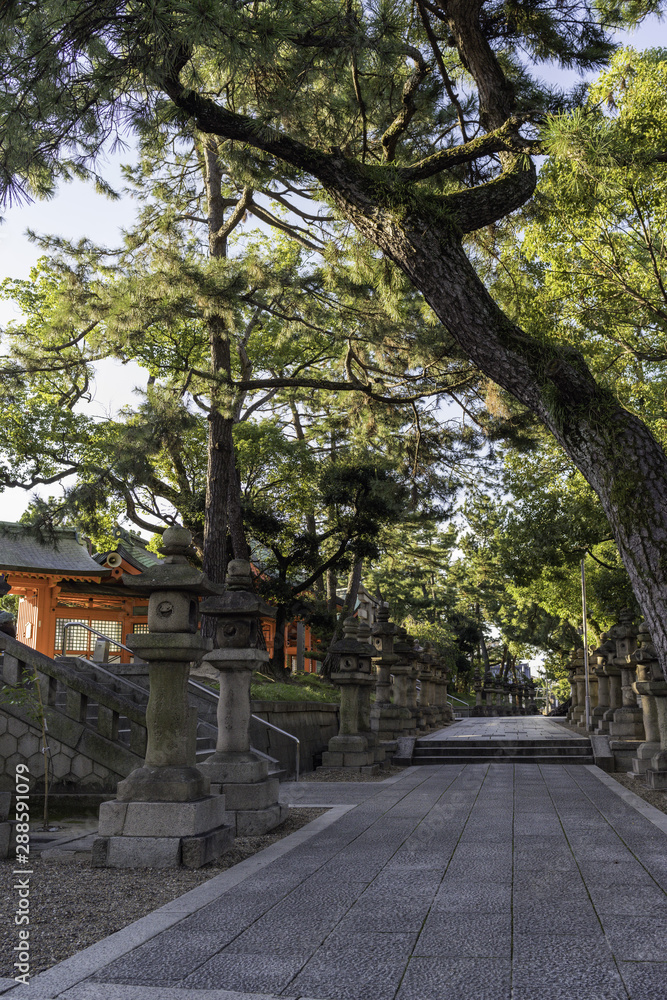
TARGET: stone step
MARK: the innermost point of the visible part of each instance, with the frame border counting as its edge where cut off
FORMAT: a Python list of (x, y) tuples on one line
[(574, 741), (537, 758), (493, 750)]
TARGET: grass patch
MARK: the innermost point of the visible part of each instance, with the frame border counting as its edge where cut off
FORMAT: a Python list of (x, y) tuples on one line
[(301, 687)]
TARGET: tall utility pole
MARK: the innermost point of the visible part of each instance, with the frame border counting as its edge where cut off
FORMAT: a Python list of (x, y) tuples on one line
[(583, 608)]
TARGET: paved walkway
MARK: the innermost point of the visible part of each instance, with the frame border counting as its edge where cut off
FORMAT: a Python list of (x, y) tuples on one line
[(520, 728), (460, 882)]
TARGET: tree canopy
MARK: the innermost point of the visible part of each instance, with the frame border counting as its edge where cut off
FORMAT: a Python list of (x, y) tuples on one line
[(418, 122)]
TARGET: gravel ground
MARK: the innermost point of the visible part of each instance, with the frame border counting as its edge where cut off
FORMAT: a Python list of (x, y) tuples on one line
[(73, 905), (657, 799), (340, 774)]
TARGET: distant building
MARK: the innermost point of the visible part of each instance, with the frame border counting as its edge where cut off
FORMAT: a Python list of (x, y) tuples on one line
[(59, 581)]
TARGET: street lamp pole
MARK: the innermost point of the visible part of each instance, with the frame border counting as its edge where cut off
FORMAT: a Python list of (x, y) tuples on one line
[(583, 607)]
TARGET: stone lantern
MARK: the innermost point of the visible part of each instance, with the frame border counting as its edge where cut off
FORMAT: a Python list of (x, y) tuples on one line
[(571, 668), (532, 703), (628, 719), (429, 679), (413, 678), (506, 702), (579, 713), (653, 683), (349, 749), (233, 769), (648, 673), (384, 716), (402, 670), (606, 650), (163, 814), (365, 691), (446, 711), (479, 708)]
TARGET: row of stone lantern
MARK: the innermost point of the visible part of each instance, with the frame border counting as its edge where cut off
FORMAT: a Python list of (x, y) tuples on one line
[(628, 696), (415, 703), (495, 696)]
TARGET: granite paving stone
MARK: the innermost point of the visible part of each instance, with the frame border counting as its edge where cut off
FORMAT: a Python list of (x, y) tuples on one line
[(253, 972), (435, 978), (644, 980), (568, 977), (481, 882)]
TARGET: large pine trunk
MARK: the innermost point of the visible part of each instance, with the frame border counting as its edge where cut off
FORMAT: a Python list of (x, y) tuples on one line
[(612, 448)]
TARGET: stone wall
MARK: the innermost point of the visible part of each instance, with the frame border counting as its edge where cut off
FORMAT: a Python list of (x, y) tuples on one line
[(314, 723), (72, 770), (69, 768)]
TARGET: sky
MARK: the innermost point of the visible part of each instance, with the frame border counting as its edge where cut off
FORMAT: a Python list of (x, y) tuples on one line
[(77, 211)]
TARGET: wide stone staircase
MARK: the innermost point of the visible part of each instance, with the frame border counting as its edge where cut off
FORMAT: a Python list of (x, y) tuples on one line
[(569, 750)]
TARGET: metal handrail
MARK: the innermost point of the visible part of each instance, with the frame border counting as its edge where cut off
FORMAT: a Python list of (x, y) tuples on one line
[(290, 735), (452, 697), (193, 683), (95, 632), (123, 681)]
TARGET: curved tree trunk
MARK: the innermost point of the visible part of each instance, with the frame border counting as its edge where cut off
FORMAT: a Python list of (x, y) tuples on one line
[(423, 235)]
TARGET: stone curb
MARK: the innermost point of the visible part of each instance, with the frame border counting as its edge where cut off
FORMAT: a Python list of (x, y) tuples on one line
[(656, 817), (68, 974)]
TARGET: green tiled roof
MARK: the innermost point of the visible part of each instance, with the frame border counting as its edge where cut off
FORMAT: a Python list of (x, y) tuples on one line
[(131, 548), (22, 549)]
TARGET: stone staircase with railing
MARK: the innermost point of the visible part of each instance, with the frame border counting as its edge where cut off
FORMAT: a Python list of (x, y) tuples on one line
[(96, 720)]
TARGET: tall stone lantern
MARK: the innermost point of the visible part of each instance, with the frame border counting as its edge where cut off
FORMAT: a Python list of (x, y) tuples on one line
[(648, 673), (365, 691), (571, 668), (386, 718), (402, 671), (479, 708), (580, 680), (163, 814), (413, 678), (628, 719), (349, 749), (234, 770), (605, 650), (446, 711), (652, 682)]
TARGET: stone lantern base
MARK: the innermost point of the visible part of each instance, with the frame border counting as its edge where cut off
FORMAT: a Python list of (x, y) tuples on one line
[(162, 834), (657, 780), (250, 794), (389, 721), (628, 723), (350, 752), (641, 762)]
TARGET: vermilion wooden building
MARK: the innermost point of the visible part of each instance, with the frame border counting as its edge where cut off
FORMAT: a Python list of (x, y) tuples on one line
[(57, 580)]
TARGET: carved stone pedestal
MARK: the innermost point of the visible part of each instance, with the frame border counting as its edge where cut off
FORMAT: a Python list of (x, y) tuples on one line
[(163, 815), (234, 770), (628, 720), (350, 748)]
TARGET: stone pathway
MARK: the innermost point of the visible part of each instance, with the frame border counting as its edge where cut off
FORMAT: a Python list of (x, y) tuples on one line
[(518, 727), (472, 882)]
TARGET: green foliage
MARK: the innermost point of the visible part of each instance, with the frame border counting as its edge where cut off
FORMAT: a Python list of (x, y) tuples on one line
[(301, 687)]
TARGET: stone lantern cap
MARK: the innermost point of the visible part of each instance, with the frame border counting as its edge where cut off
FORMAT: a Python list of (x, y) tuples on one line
[(238, 611), (174, 572), (350, 651), (650, 678), (624, 634), (238, 599)]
